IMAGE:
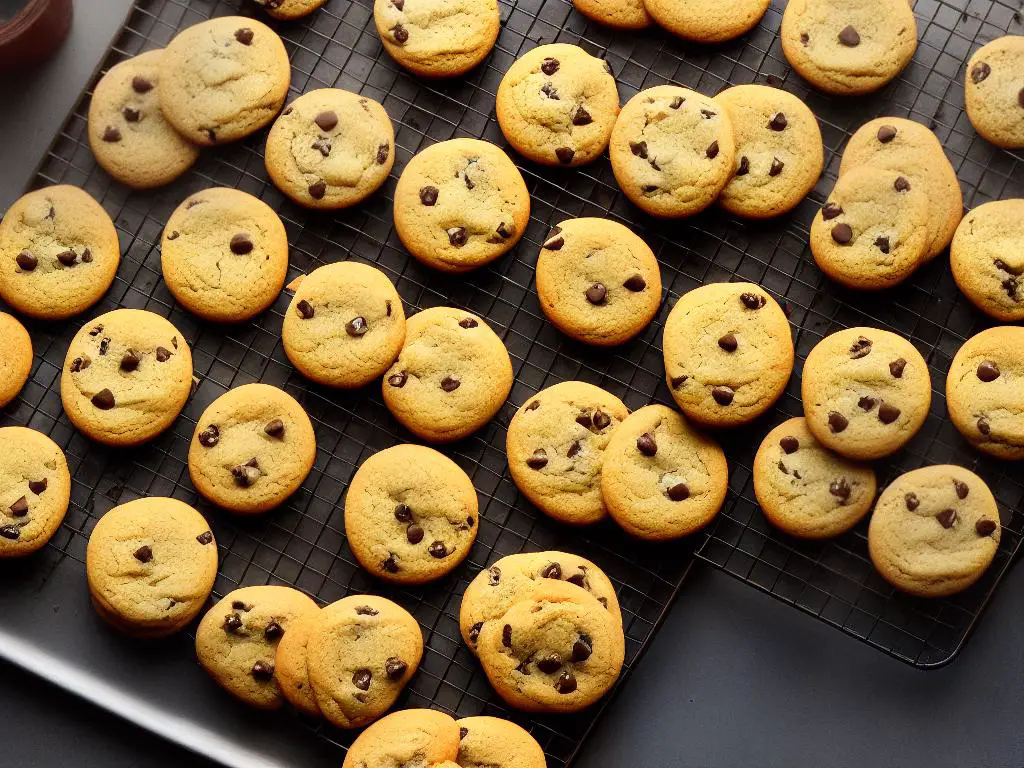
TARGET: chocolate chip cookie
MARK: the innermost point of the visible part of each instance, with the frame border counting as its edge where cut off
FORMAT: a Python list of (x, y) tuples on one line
[(151, 564), (411, 514), (224, 254), (987, 257), (460, 204), (361, 653), (597, 281), (557, 104), (330, 149), (672, 151), (345, 325), (289, 9), (16, 361), (291, 668), (728, 353), (555, 447), (406, 738), (994, 91), (35, 489), (934, 531), (866, 392), (126, 377), (490, 741), (451, 377), (707, 21), (618, 14), (252, 449), (985, 391), (60, 253)]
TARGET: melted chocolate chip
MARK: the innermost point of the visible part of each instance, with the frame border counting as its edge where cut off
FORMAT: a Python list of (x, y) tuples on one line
[(679, 492), (246, 474), (538, 459), (980, 71), (840, 489), (984, 427), (867, 403), (383, 152), (457, 236), (830, 211), (400, 34), (506, 636), (38, 486), (274, 428), (901, 184), (67, 258), (574, 449), (474, 632), (390, 564), (601, 420), (988, 371), (20, 507), (888, 413), (365, 610), (596, 293), (304, 309), (712, 150), (551, 571), (842, 233), (744, 168), (209, 437), (12, 532), (549, 66), (428, 195), (325, 121), (985, 527), (555, 240), (753, 300), (450, 383), (104, 345), (728, 342), (403, 513), (131, 115), (111, 134), (494, 576), (273, 631), (241, 243), (946, 518), (357, 327), (708, 114), (468, 322), (398, 380), (837, 422), (104, 400), (646, 444), (581, 117), (550, 664), (635, 283), (232, 622), (565, 155), (79, 364), (162, 354), (395, 668), (130, 361), (778, 122), (860, 348), (789, 444), (777, 166), (638, 148), (244, 36), (677, 102), (912, 501), (897, 366), (26, 261), (205, 538), (317, 189)]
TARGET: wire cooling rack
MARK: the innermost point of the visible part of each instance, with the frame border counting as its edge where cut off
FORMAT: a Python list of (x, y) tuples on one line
[(303, 543)]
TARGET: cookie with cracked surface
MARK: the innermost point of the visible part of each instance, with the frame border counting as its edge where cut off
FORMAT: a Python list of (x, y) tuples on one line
[(557, 650), (555, 446), (848, 48), (934, 531), (728, 353), (914, 152), (16, 360), (252, 449), (672, 151), (361, 653), (330, 149), (128, 134), (617, 14), (224, 254), (437, 38), (866, 392), (126, 377), (409, 737), (985, 391), (779, 151), (662, 479), (807, 490), (707, 21), (411, 514), (35, 489), (994, 91), (60, 253), (987, 257), (288, 10), (873, 232), (460, 204), (557, 104), (512, 578), (151, 564), (345, 325), (223, 79), (236, 641), (291, 668), (451, 377), (488, 742), (597, 281)]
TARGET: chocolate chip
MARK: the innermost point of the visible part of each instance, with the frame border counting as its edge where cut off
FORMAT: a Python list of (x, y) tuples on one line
[(414, 533), (428, 195), (860, 348), (238, 605), (387, 305), (565, 155), (20, 507), (400, 34), (601, 420), (450, 383), (912, 501), (361, 679), (210, 133), (403, 513), (849, 37), (365, 610), (317, 189), (886, 133), (555, 240), (326, 121), (708, 114), (494, 576), (581, 117), (398, 380), (985, 527), (26, 261), (584, 420), (244, 36), (984, 427), (842, 233), (173, 235), (273, 631), (389, 564), (888, 413), (777, 166), (867, 403), (901, 184), (840, 488), (551, 571), (744, 168), (789, 444), (712, 150), (574, 449), (582, 648), (728, 342), (162, 354), (67, 258), (468, 322), (946, 518), (205, 537), (988, 371), (646, 444), (210, 436), (677, 102), (635, 283), (246, 474), (130, 361), (241, 244), (395, 668), (141, 84), (897, 366), (12, 532), (274, 428), (723, 395), (79, 364), (596, 293), (323, 146), (506, 636), (538, 460), (457, 236), (399, 4), (383, 151), (1020, 97), (1000, 264), (830, 211), (549, 66), (980, 71), (304, 309), (566, 682), (357, 327), (579, 579), (104, 345), (550, 664), (549, 90), (805, 38), (232, 622), (104, 399), (962, 489), (474, 632), (38, 486), (504, 231), (778, 122), (679, 492), (753, 300), (638, 148), (649, 188), (130, 114), (111, 134), (837, 422)]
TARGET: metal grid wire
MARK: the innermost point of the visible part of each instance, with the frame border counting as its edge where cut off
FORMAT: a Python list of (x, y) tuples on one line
[(303, 543)]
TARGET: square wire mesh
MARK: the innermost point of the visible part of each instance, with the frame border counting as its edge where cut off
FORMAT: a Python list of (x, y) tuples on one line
[(303, 543)]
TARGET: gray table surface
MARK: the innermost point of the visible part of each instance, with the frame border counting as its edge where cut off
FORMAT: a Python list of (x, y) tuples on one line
[(734, 678)]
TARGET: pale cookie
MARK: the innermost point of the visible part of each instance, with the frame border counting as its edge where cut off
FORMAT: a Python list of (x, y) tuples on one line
[(779, 151), (672, 151), (728, 353), (236, 641), (597, 281), (848, 48), (126, 377), (437, 38), (707, 21), (460, 204), (994, 91), (451, 377), (411, 514), (934, 531), (662, 479), (288, 10), (291, 668), (412, 737), (224, 254), (35, 489), (987, 257), (330, 149), (912, 151), (360, 655), (807, 490), (557, 104), (490, 742), (555, 446), (252, 449), (59, 251), (345, 325), (127, 131), (514, 577), (873, 231), (866, 392), (223, 79), (151, 564), (618, 14), (985, 391), (557, 650), (15, 357)]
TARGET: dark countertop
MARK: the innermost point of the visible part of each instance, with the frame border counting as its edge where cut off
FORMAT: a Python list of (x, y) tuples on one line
[(735, 678)]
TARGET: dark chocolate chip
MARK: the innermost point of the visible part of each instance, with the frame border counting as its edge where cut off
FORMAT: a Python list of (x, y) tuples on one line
[(357, 327), (549, 90), (777, 166), (985, 527), (104, 345), (988, 371), (550, 664), (474, 632), (383, 152), (20, 507), (901, 184), (712, 150), (468, 322), (246, 474), (67, 258), (646, 444), (728, 342), (87, 256), (723, 395), (504, 231), (555, 240), (400, 33), (318, 189), (897, 366), (886, 133), (582, 648), (984, 427), (552, 571), (390, 564), (399, 4), (323, 146), (205, 538), (778, 122), (398, 380), (565, 155), (238, 605), (574, 449), (584, 420), (912, 501), (867, 403), (387, 305), (648, 189), (860, 348), (566, 682), (141, 84), (210, 436), (753, 300), (273, 631), (840, 488), (804, 38), (232, 622), (1020, 97), (679, 492), (962, 489), (830, 211), (403, 513), (888, 413), (457, 236), (304, 309), (79, 364), (596, 293), (130, 114), (244, 35), (494, 576), (506, 636), (111, 134), (414, 533), (842, 233), (104, 399), (946, 518), (241, 243), (162, 354), (274, 428), (849, 37), (677, 102), (549, 66), (581, 117), (450, 383), (635, 283), (12, 532), (980, 71), (395, 668), (38, 486), (26, 261), (638, 148), (744, 168), (361, 679), (789, 444), (538, 460), (325, 121), (365, 610), (601, 420), (837, 422), (428, 195), (708, 114)]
